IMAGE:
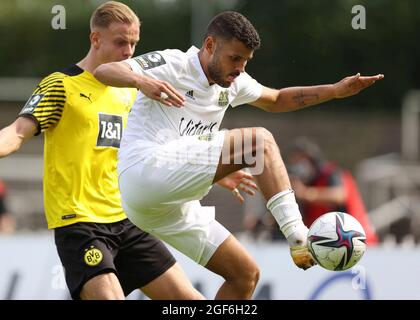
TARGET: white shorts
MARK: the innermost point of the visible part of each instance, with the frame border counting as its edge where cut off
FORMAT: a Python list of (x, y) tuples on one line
[(160, 195)]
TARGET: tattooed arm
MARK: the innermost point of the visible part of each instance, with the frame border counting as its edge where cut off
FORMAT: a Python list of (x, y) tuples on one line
[(294, 98)]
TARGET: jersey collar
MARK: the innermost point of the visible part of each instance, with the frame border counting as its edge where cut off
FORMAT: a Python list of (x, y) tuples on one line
[(195, 63)]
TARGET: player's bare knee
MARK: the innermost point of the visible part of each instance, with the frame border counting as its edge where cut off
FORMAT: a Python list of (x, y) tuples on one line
[(254, 275), (249, 272), (102, 287), (251, 276)]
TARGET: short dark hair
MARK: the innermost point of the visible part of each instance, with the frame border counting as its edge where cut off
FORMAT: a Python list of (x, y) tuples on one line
[(231, 24)]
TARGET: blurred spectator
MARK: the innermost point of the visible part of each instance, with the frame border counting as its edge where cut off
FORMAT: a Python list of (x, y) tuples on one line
[(7, 222), (321, 186)]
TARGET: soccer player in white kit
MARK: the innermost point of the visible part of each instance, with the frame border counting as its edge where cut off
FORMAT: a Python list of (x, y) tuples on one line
[(171, 156)]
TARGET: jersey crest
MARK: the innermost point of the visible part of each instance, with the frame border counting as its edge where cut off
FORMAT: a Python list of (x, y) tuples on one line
[(224, 98)]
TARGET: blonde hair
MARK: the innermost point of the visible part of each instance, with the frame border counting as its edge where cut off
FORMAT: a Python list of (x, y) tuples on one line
[(110, 12)]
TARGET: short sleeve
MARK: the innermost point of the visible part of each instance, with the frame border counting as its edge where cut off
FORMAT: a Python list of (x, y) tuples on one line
[(247, 90), (46, 104)]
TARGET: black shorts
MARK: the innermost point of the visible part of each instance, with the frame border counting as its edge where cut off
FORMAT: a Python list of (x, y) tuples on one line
[(88, 249)]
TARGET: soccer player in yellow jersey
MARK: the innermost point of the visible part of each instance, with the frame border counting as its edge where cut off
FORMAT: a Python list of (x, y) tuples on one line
[(104, 255)]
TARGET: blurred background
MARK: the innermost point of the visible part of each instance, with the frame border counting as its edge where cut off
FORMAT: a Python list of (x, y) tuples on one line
[(374, 136)]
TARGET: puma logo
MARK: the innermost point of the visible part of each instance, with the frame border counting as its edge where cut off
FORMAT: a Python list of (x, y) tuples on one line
[(85, 96)]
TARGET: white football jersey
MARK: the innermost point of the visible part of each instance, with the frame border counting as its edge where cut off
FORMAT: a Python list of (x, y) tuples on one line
[(151, 123)]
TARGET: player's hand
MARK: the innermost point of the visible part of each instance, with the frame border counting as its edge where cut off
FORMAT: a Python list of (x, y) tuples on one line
[(239, 180), (298, 247), (354, 84), (161, 91)]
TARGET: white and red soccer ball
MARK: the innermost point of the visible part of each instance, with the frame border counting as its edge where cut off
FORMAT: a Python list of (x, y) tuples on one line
[(337, 241)]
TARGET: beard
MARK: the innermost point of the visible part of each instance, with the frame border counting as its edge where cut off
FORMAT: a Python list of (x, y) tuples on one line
[(216, 73)]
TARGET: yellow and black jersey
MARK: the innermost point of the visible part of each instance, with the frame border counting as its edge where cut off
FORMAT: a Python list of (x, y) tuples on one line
[(83, 121)]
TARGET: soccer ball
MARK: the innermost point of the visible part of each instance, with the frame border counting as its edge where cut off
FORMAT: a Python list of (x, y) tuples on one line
[(337, 241)]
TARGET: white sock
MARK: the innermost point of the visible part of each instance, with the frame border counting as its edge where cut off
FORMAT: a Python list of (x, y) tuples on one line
[(284, 208)]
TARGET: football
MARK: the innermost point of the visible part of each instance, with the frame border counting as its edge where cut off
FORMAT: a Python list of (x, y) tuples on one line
[(337, 241)]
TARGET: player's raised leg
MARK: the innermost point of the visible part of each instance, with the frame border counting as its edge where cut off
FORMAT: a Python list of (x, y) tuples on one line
[(258, 145)]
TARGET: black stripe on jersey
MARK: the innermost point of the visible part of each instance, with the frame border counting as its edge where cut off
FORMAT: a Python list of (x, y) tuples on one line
[(61, 93), (45, 111), (52, 102), (57, 83), (51, 120), (43, 122), (52, 86), (52, 113), (47, 81), (46, 125), (47, 101), (48, 107), (49, 95), (43, 89), (51, 116)]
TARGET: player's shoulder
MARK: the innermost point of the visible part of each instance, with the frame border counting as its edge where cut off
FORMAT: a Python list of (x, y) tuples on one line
[(56, 79), (168, 58), (53, 78), (175, 54)]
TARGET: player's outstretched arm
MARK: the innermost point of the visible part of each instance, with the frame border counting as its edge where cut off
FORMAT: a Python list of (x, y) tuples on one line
[(13, 136), (120, 74), (294, 98)]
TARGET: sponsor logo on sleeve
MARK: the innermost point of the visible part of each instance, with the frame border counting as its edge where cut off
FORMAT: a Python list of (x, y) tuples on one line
[(30, 106), (150, 60)]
